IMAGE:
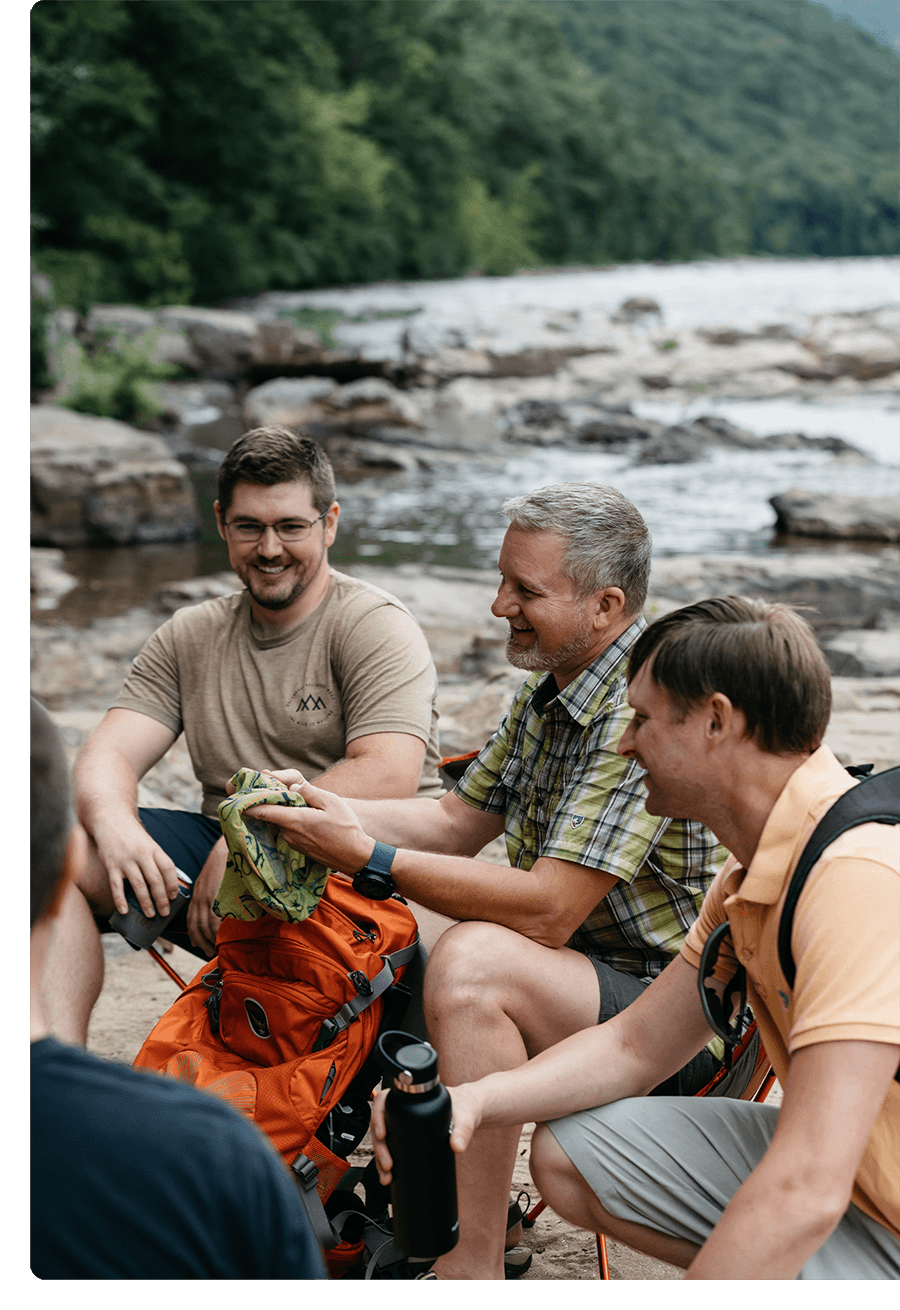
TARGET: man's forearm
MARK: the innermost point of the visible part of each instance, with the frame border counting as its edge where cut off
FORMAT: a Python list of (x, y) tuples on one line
[(112, 762), (466, 888), (105, 787), (587, 1069)]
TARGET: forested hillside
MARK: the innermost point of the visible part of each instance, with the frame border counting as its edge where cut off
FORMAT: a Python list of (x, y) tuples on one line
[(195, 151)]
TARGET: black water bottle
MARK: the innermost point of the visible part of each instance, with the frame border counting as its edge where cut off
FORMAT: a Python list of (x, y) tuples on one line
[(423, 1182)]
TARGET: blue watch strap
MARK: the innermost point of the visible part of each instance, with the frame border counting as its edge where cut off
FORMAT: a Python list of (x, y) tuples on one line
[(382, 858)]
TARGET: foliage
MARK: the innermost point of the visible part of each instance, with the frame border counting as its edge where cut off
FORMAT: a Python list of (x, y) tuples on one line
[(113, 378), (320, 321), (193, 151)]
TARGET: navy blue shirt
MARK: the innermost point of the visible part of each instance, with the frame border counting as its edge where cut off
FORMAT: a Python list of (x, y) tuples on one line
[(138, 1176)]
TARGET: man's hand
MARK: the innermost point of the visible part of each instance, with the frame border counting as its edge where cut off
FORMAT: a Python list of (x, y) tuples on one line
[(202, 920), (466, 1117), (325, 829), (129, 854)]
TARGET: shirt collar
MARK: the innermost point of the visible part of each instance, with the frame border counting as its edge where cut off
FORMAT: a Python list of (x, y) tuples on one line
[(805, 797), (584, 695)]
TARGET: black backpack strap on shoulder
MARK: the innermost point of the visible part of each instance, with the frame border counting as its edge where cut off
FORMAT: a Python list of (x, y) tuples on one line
[(874, 800)]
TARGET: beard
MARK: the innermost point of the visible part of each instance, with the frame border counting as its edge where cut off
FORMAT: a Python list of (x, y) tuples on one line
[(537, 659), (275, 600), (279, 602)]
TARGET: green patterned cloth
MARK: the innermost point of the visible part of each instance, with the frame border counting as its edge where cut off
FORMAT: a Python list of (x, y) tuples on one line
[(264, 875)]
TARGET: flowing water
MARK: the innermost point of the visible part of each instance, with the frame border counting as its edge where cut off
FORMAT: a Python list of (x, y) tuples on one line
[(452, 516)]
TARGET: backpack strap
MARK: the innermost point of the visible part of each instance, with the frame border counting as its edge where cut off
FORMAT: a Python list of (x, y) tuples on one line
[(367, 992), (874, 800)]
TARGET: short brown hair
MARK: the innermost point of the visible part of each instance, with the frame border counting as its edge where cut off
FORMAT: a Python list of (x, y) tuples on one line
[(764, 657), (269, 456)]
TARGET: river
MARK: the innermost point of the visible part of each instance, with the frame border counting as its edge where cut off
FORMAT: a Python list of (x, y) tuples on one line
[(452, 516)]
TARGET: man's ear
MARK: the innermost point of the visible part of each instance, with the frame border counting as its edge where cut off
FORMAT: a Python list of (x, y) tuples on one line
[(609, 606), (720, 717), (331, 522), (219, 523)]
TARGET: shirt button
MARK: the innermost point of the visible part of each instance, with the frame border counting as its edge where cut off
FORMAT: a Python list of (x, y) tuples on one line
[(746, 955)]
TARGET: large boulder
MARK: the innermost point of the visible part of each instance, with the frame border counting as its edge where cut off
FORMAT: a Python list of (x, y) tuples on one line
[(223, 341), (287, 402), (97, 481), (863, 346), (844, 589), (851, 518), (868, 653)]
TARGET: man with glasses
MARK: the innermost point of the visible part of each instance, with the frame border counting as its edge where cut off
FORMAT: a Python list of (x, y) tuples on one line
[(731, 700), (305, 668)]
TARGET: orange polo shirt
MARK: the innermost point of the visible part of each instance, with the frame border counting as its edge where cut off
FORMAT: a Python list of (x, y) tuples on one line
[(846, 947)]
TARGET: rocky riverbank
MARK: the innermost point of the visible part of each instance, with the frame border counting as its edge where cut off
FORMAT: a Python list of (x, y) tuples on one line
[(77, 671), (405, 378)]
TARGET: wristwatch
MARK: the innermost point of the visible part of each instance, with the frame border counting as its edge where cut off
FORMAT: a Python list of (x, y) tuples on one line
[(375, 879)]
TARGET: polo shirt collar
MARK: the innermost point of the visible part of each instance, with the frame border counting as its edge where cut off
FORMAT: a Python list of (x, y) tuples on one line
[(804, 798), (586, 694)]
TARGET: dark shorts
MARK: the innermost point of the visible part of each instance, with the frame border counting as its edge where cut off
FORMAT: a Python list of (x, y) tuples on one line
[(187, 839), (617, 991)]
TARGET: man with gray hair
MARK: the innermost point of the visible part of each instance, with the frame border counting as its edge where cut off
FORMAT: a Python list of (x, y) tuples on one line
[(599, 895)]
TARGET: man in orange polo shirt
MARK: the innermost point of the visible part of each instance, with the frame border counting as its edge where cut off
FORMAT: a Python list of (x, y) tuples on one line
[(732, 699)]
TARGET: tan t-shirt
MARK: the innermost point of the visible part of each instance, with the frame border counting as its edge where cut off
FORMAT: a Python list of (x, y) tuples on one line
[(846, 948), (359, 664)]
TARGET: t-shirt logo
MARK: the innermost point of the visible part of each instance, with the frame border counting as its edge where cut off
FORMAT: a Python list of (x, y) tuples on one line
[(311, 706), (577, 820)]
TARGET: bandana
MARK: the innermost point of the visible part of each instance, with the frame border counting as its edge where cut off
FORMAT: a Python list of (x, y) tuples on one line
[(264, 875)]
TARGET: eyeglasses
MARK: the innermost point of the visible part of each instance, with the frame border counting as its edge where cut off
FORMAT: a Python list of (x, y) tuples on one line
[(288, 530), (726, 1017)]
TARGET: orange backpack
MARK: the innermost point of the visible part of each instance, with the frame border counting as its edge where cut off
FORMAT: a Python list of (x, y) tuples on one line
[(282, 1022)]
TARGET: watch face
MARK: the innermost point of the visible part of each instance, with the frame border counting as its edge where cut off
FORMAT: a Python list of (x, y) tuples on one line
[(377, 886)]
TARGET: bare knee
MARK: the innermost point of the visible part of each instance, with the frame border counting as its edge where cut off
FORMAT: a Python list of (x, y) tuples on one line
[(562, 1186), (473, 967)]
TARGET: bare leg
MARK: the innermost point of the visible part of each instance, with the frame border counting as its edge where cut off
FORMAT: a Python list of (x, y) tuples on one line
[(493, 998), (73, 969), (565, 1190)]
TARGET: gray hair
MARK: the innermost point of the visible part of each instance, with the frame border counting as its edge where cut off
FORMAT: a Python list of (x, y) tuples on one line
[(608, 543)]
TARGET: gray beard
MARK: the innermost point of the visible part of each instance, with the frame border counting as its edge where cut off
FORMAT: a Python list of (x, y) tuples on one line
[(536, 660)]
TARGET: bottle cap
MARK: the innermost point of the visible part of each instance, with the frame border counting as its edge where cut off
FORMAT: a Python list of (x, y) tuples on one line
[(411, 1064)]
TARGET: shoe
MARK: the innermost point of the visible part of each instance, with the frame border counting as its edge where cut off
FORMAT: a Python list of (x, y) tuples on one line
[(517, 1261), (389, 1262)]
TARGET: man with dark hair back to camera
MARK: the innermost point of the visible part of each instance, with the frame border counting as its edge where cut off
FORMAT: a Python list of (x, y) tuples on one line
[(731, 700), (305, 668), (134, 1175), (599, 895)]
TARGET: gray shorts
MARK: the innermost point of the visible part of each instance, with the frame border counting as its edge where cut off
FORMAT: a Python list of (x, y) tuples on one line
[(673, 1165)]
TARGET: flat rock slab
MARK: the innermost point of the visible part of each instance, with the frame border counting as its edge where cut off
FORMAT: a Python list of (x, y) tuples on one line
[(97, 481), (803, 513)]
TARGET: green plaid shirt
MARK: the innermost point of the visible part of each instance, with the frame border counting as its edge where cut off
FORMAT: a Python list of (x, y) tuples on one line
[(552, 769)]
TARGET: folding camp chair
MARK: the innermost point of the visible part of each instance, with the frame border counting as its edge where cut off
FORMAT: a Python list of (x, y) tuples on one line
[(760, 1084)]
